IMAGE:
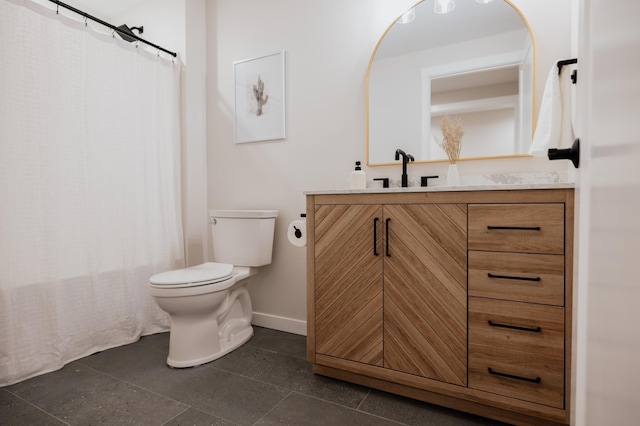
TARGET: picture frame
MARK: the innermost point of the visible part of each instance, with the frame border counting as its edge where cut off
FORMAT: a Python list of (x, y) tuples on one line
[(259, 112)]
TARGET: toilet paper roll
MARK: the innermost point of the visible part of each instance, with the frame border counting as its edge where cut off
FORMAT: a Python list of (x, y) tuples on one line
[(297, 233)]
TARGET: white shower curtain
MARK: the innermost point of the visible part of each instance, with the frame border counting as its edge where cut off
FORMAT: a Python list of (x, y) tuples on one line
[(90, 201)]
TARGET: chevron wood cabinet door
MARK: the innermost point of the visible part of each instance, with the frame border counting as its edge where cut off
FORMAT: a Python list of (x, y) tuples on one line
[(348, 282), (458, 298), (425, 291)]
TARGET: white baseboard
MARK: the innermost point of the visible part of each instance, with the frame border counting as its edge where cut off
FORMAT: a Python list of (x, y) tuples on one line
[(275, 322)]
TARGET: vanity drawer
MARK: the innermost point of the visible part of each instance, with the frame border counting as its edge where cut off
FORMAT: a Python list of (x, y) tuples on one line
[(517, 349), (524, 228), (523, 277)]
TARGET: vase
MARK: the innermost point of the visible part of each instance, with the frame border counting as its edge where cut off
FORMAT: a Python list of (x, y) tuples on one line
[(453, 177)]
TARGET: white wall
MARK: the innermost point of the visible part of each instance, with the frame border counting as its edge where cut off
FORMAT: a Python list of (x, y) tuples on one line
[(328, 45), (194, 121)]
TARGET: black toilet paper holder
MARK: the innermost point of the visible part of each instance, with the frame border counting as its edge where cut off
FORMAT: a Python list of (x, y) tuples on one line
[(297, 231)]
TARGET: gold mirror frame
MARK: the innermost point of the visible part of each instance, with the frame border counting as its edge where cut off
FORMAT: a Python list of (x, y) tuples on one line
[(533, 94)]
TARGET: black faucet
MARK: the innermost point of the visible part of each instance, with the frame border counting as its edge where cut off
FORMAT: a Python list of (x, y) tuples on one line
[(405, 159)]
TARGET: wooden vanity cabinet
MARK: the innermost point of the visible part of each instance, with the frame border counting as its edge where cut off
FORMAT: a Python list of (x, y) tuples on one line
[(461, 299)]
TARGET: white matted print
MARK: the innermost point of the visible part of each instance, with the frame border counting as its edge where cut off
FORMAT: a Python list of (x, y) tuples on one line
[(260, 103)]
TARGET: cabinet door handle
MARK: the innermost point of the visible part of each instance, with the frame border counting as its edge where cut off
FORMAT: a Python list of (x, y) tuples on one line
[(375, 236), (387, 237), (515, 327), (511, 376), (517, 228), (508, 277)]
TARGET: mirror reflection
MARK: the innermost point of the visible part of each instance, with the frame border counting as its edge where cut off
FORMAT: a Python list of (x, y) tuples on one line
[(474, 62)]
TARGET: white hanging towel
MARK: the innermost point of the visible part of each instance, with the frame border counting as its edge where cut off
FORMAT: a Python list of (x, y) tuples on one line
[(554, 129)]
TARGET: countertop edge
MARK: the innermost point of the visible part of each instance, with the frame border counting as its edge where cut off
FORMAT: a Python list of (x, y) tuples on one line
[(461, 188)]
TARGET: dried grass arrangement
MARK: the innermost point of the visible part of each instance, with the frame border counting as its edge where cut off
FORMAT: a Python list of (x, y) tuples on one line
[(452, 134)]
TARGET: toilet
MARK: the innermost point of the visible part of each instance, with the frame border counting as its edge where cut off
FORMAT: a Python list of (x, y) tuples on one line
[(209, 304)]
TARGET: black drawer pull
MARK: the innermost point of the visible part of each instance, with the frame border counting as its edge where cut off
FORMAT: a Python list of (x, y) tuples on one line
[(507, 277), (515, 327), (375, 236), (517, 228), (525, 379)]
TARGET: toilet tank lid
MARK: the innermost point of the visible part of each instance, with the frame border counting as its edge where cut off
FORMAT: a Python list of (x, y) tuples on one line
[(210, 271), (246, 214)]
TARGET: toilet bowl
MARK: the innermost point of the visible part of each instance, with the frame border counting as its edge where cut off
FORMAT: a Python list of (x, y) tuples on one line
[(209, 305)]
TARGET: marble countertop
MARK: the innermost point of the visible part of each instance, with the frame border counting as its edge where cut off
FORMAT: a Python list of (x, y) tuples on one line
[(484, 187)]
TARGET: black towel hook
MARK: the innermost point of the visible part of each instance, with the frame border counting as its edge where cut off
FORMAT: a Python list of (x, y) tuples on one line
[(566, 62), (574, 74)]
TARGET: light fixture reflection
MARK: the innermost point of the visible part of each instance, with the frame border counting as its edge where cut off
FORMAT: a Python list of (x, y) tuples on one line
[(408, 16), (444, 6), (484, 1)]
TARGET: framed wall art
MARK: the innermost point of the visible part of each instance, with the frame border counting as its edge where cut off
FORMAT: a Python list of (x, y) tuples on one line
[(259, 113)]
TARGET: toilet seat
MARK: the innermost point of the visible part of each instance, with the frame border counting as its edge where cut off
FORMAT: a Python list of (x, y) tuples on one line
[(205, 274)]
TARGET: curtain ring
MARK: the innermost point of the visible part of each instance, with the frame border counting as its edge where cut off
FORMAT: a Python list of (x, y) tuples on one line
[(86, 21)]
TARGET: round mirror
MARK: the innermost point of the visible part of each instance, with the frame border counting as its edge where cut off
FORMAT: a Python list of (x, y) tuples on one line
[(473, 62)]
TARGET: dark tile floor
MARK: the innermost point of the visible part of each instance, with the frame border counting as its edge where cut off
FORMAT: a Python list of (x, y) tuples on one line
[(265, 382)]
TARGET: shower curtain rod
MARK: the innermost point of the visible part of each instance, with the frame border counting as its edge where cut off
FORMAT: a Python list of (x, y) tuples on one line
[(113, 27)]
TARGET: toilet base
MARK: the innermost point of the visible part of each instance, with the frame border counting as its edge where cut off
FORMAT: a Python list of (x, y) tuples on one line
[(238, 340), (210, 325)]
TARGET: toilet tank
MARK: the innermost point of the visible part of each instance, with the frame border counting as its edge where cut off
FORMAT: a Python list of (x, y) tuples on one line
[(242, 237)]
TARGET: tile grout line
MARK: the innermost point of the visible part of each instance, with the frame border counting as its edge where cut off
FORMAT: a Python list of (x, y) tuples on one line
[(350, 408), (273, 408), (137, 386), (177, 415), (372, 414), (291, 391), (363, 399), (36, 407)]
